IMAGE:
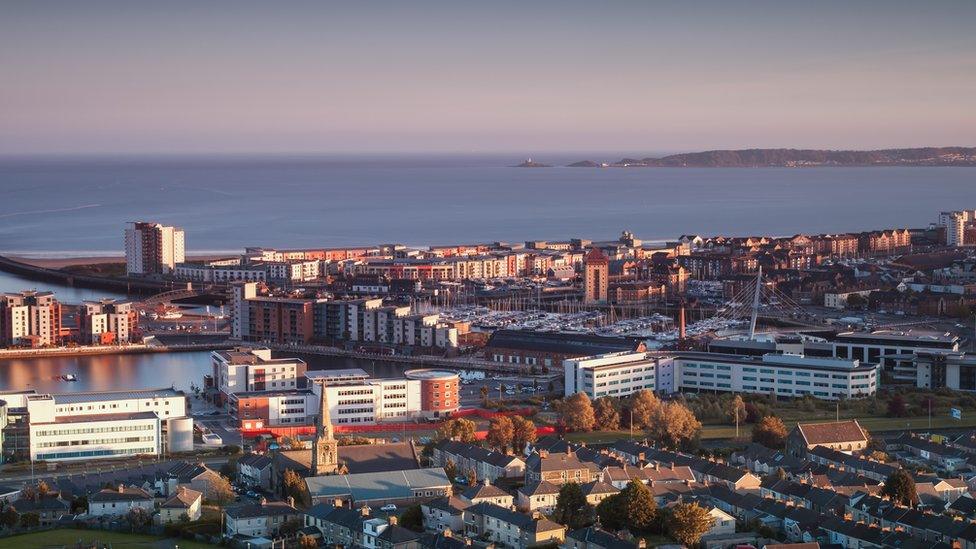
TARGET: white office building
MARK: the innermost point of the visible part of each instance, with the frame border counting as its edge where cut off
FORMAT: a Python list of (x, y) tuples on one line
[(620, 374), (98, 425), (893, 350), (356, 399)]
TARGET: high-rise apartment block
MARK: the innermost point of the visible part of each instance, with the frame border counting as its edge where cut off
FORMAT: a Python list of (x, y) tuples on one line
[(29, 319), (956, 223), (151, 248)]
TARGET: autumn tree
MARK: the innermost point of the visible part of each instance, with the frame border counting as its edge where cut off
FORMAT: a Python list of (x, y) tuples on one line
[(577, 413), (295, 487), (770, 432), (900, 488), (688, 522), (458, 429), (607, 416), (307, 542), (523, 432), (138, 518), (501, 432), (675, 424), (451, 470), (43, 489), (291, 443), (640, 506), (645, 407), (737, 412), (221, 491), (484, 396)]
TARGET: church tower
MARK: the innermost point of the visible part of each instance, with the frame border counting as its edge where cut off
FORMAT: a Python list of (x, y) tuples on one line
[(325, 453)]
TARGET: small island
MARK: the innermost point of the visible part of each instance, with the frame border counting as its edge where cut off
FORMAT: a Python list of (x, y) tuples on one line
[(586, 164), (530, 164)]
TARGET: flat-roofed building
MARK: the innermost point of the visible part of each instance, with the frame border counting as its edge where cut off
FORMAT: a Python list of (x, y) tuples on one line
[(620, 374), (551, 348), (107, 322), (29, 319), (248, 370), (96, 425), (894, 350), (153, 248)]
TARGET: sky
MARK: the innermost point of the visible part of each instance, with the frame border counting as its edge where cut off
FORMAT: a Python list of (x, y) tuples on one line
[(134, 77)]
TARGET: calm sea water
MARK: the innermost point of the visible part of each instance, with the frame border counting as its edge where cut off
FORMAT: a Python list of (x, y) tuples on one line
[(113, 372), (78, 206)]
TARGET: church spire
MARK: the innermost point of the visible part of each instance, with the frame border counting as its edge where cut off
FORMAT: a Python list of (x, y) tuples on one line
[(325, 453)]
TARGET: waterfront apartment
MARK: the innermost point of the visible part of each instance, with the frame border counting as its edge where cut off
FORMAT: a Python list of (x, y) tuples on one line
[(286, 319), (97, 425), (620, 374), (29, 319), (107, 322), (152, 248), (252, 369)]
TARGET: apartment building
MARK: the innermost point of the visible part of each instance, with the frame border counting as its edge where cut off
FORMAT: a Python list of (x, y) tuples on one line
[(252, 369), (152, 248), (956, 223), (107, 322), (29, 319), (96, 425), (369, 400)]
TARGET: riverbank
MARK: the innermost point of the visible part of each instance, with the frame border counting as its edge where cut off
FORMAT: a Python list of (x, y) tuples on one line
[(62, 262), (95, 350)]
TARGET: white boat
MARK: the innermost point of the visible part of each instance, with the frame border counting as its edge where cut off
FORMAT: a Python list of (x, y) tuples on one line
[(69, 377)]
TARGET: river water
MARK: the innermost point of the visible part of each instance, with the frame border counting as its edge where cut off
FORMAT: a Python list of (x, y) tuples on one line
[(139, 371)]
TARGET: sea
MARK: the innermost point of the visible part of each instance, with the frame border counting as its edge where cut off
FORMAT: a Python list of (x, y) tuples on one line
[(66, 207)]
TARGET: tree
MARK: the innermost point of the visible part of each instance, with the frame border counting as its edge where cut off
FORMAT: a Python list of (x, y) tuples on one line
[(9, 517), (42, 488), (770, 432), (641, 508), (307, 542), (229, 469), (688, 522), (737, 412), (524, 432), (295, 487), (607, 416), (897, 407), (291, 443), (458, 429), (471, 476), (138, 518), (900, 488), (572, 509), (291, 527), (413, 518), (79, 504), (612, 511), (450, 469), (780, 473), (500, 433), (644, 408), (484, 396), (30, 520), (856, 301), (675, 424), (577, 413), (221, 491)]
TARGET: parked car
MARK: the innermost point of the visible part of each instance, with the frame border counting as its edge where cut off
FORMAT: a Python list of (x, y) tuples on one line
[(389, 508)]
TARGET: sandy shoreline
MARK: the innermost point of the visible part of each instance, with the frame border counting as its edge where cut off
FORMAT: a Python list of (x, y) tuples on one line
[(62, 262)]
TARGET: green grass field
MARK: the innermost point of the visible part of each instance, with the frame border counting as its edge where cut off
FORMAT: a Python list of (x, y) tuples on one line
[(69, 537), (873, 424)]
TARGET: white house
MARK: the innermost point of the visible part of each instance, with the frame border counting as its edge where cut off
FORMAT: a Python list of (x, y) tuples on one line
[(119, 501)]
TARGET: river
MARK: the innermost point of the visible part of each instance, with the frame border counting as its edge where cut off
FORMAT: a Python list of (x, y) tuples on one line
[(140, 371)]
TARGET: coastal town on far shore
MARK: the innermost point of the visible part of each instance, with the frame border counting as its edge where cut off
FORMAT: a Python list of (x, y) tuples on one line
[(808, 391)]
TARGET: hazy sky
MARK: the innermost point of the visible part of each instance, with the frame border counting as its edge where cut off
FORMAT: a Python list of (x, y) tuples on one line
[(172, 76)]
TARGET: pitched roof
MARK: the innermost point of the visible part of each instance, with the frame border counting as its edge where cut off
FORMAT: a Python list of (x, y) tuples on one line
[(596, 255), (539, 488), (267, 509), (257, 461), (383, 485), (183, 499), (555, 342), (595, 537), (123, 493), (834, 432), (484, 491)]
